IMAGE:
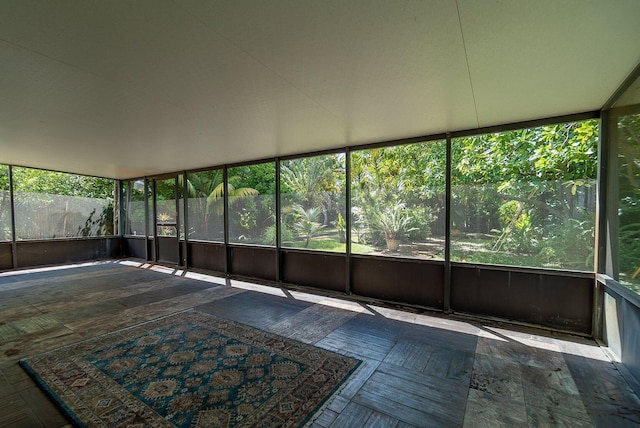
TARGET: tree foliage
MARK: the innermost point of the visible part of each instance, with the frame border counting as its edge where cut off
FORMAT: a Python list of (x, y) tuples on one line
[(627, 139), (398, 191), (313, 199), (526, 188), (553, 152), (53, 204), (519, 197), (251, 202), (30, 180)]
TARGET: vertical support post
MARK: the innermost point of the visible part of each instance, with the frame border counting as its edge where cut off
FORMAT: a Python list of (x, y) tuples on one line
[(611, 227), (117, 216), (347, 218), (446, 304), (115, 225), (225, 200), (185, 220), (145, 188), (601, 199), (121, 206), (278, 224), (14, 248), (155, 219), (125, 196), (603, 219), (176, 191)]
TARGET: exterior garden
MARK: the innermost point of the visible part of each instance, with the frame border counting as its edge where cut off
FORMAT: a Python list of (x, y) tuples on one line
[(524, 198), (519, 198)]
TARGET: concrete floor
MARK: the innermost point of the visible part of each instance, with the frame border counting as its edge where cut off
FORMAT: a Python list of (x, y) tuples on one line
[(419, 370)]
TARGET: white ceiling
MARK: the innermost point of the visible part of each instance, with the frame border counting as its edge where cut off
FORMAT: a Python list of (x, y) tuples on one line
[(123, 88)]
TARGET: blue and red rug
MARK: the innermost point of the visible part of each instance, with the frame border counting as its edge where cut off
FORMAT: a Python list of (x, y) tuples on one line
[(190, 370)]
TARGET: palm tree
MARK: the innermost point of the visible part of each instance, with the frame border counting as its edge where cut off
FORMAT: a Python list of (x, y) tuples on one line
[(206, 193), (313, 179), (306, 224)]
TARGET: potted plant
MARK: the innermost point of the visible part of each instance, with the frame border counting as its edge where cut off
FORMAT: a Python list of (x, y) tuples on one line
[(394, 224)]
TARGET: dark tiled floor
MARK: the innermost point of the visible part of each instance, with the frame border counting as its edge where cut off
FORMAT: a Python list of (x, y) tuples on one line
[(418, 370)]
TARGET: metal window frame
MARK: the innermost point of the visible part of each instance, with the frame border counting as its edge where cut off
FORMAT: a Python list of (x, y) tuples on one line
[(447, 137), (14, 248)]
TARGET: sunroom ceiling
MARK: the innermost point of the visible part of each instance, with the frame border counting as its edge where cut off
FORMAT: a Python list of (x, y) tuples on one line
[(124, 88)]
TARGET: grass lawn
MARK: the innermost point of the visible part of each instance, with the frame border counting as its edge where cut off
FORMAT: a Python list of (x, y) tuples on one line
[(480, 251), (470, 249), (327, 243)]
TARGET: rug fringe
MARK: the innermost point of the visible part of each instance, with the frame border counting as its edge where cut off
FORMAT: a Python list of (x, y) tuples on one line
[(338, 390)]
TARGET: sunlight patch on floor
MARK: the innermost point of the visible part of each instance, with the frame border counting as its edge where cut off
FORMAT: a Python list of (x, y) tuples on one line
[(579, 347)]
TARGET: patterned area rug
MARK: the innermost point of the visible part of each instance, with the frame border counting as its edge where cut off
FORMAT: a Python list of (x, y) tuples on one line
[(190, 370)]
